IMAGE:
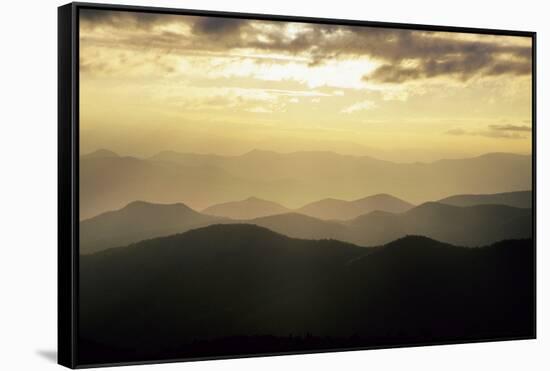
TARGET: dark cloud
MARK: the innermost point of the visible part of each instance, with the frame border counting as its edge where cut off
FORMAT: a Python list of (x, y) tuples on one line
[(513, 68), (217, 25), (404, 55), (391, 74), (458, 59), (96, 18)]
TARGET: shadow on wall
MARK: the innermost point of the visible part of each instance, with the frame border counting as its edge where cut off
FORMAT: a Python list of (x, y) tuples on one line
[(50, 355)]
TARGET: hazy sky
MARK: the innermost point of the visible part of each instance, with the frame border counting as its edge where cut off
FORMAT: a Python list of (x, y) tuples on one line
[(154, 82)]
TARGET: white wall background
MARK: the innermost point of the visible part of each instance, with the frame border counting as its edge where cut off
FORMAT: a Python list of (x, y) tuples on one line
[(28, 155)]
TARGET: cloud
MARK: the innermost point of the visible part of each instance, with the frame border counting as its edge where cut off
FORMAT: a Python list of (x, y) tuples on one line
[(97, 18), (434, 53), (223, 99), (401, 55), (510, 67), (457, 132), (216, 26), (361, 106), (462, 66), (500, 134), (510, 128), (494, 131)]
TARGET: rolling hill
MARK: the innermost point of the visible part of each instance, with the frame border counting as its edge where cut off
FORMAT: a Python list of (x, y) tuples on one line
[(326, 209), (138, 221), (522, 199), (466, 226), (332, 209), (249, 208), (100, 153), (234, 289), (303, 226)]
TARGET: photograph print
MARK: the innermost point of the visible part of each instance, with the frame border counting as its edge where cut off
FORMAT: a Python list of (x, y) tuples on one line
[(253, 186)]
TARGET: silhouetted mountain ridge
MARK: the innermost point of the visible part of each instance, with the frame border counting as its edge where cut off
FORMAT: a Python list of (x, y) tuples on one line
[(137, 221), (333, 209), (468, 226), (224, 281), (522, 199), (250, 208), (297, 225), (100, 153)]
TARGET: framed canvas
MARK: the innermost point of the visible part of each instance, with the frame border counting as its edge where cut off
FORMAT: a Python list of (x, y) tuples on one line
[(235, 185)]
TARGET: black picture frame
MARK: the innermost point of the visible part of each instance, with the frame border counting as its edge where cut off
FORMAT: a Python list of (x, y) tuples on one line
[(68, 163)]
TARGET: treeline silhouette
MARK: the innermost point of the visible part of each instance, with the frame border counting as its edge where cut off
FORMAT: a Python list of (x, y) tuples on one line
[(242, 289)]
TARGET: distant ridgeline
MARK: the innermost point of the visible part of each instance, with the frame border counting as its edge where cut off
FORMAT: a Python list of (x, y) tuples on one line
[(109, 182), (466, 220), (240, 288)]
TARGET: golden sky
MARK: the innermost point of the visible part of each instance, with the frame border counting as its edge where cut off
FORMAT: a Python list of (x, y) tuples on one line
[(152, 82)]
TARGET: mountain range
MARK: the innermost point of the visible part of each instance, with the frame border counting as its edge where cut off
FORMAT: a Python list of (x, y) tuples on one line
[(327, 209), (333, 209), (468, 226), (138, 221), (249, 208), (465, 226), (523, 199), (240, 288), (178, 260), (109, 182)]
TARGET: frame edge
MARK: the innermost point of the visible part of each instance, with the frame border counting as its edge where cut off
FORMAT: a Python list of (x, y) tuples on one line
[(301, 19), (66, 326)]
